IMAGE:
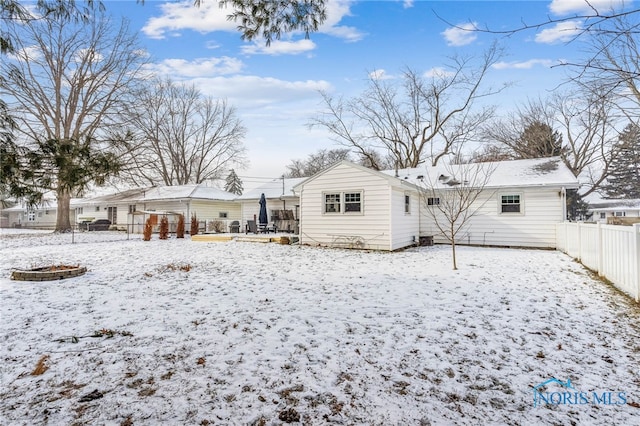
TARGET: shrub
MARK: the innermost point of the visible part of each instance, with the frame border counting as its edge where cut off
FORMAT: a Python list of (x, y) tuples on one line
[(180, 227), (194, 224), (148, 229), (164, 228), (217, 226)]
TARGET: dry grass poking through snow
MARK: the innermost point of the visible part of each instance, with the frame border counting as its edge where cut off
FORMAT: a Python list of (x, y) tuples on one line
[(266, 334)]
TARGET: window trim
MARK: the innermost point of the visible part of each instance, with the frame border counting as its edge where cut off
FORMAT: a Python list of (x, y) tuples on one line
[(358, 203), (433, 201), (520, 203), (326, 203), (407, 204), (342, 202)]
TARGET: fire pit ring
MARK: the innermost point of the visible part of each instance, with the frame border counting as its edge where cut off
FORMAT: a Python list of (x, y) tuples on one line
[(48, 273)]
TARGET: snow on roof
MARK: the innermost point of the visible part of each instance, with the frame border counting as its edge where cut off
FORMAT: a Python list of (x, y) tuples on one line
[(614, 204), (515, 173), (186, 191), (275, 188), (47, 204), (158, 193)]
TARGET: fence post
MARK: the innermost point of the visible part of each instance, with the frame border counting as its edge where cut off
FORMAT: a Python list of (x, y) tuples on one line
[(579, 238), (599, 250), (636, 250)]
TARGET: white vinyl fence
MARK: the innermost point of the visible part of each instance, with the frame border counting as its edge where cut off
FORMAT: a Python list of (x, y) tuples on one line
[(611, 250)]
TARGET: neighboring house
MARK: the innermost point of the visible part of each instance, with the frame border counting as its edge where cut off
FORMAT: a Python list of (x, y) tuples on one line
[(615, 211), (282, 203), (43, 216), (350, 205), (131, 208)]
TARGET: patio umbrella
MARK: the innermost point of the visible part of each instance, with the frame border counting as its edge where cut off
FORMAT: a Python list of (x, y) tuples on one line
[(263, 219)]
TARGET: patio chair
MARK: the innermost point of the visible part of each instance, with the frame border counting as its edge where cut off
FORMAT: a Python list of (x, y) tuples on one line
[(251, 227), (234, 227)]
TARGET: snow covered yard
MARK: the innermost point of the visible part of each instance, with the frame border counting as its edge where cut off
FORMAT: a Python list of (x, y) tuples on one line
[(179, 332)]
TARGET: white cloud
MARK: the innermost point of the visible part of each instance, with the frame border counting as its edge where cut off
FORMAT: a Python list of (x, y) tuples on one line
[(460, 35), (279, 47), (525, 65), (183, 15), (261, 92), (438, 72), (380, 75), (30, 53), (209, 17), (564, 7), (336, 10), (561, 32), (201, 67), (407, 4)]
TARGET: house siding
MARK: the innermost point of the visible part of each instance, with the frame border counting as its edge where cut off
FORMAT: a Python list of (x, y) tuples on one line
[(368, 229), (404, 226), (534, 226)]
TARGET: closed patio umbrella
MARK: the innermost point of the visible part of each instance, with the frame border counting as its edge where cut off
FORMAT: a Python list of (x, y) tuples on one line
[(263, 219)]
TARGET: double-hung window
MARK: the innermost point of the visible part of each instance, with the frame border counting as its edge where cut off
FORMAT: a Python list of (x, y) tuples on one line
[(352, 202), (433, 201), (332, 203), (407, 204), (510, 204), (343, 202)]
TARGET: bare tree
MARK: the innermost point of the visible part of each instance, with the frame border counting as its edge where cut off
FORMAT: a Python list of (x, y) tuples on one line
[(454, 197), (179, 136), (316, 162), (425, 117), (588, 120), (65, 84), (526, 133)]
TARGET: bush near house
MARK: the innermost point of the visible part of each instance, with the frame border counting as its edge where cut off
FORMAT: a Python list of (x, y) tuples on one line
[(148, 229), (164, 228), (194, 225), (180, 227)]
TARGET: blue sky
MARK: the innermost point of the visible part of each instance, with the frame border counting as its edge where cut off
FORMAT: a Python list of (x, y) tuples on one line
[(276, 89)]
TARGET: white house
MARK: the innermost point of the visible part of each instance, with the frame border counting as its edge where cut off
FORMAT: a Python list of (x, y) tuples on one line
[(350, 205), (42, 216), (282, 203), (131, 208), (615, 211)]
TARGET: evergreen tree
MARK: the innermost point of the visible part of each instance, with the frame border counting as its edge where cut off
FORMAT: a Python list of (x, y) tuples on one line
[(233, 184), (624, 177), (539, 140)]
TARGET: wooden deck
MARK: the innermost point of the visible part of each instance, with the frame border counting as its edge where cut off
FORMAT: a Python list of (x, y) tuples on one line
[(250, 238)]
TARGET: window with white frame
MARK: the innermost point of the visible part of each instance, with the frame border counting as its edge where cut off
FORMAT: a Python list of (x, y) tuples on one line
[(332, 203), (79, 210), (603, 215), (223, 215), (620, 214), (510, 203), (97, 208), (407, 204), (132, 208), (433, 201), (343, 202), (31, 216), (352, 202)]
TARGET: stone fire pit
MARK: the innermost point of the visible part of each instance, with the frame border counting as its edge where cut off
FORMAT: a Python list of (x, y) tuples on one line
[(48, 273)]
